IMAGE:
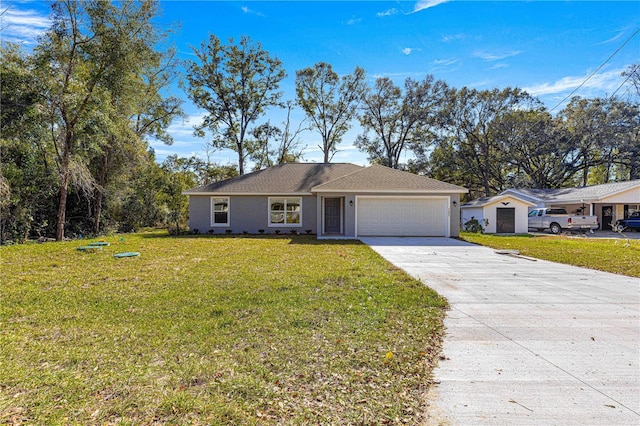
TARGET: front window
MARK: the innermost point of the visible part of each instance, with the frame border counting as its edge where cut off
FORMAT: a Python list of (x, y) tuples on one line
[(219, 211), (285, 212)]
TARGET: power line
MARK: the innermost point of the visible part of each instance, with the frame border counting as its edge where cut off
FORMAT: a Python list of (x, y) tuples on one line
[(631, 73), (596, 71)]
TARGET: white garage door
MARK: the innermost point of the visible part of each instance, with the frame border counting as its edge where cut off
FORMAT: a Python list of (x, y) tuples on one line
[(404, 217)]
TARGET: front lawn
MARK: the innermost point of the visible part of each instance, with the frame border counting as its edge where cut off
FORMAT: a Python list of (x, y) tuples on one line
[(620, 256), (213, 330)]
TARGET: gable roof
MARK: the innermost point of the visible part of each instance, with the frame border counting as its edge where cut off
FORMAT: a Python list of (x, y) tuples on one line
[(300, 178), (586, 193), (377, 178), (485, 201), (290, 178)]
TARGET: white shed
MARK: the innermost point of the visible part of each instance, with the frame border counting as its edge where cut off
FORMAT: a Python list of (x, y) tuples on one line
[(502, 214)]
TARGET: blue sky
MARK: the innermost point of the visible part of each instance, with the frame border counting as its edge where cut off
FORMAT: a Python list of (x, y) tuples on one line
[(548, 48)]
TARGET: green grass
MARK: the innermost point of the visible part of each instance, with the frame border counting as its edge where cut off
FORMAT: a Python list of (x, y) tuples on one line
[(620, 256), (213, 330)]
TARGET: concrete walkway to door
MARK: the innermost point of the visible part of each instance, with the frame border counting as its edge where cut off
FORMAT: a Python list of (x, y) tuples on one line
[(528, 341)]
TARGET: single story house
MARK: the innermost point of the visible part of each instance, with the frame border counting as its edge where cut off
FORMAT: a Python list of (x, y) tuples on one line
[(335, 200), (502, 214), (609, 201)]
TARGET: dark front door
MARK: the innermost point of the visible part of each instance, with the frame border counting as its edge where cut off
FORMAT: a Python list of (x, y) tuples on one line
[(607, 217), (506, 221), (332, 216)]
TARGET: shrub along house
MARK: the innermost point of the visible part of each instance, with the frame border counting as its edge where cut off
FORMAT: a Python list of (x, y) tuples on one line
[(335, 200)]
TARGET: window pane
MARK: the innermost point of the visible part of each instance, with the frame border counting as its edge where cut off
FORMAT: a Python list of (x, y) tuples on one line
[(277, 217), (285, 211), (220, 208), (277, 204), (293, 217), (293, 204), (220, 217), (220, 205)]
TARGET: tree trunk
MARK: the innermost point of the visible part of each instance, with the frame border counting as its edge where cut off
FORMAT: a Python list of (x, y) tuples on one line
[(62, 205), (64, 185), (240, 159), (99, 195)]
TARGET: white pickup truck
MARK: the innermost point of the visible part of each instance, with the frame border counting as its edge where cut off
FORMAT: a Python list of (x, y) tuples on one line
[(557, 220)]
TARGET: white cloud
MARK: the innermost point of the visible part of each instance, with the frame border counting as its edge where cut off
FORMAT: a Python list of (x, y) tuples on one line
[(354, 21), (490, 56), (499, 66), (426, 4), (616, 37), (445, 62), (598, 85), (246, 9), (409, 50), (453, 37), (388, 12), (23, 26)]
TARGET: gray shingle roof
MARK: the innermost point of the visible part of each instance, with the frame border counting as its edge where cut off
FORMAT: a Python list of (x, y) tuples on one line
[(288, 178), (377, 178), (295, 178), (586, 193)]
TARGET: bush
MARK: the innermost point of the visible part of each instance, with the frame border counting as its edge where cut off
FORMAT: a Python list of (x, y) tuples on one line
[(474, 225)]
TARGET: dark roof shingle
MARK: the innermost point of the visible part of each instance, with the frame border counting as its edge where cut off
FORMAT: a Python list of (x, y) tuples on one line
[(586, 193), (287, 178), (384, 179)]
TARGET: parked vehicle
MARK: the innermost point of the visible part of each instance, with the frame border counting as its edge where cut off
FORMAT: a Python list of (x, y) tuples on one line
[(556, 220), (632, 222)]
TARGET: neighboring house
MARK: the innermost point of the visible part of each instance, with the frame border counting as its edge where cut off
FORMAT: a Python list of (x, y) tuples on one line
[(609, 201), (331, 200), (502, 214)]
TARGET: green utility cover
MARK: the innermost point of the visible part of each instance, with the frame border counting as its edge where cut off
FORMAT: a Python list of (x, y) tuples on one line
[(127, 254)]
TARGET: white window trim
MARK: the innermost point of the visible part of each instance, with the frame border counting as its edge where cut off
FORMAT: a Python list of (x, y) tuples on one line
[(283, 225), (212, 212)]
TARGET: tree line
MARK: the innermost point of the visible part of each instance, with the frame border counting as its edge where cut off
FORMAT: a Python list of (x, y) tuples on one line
[(79, 109)]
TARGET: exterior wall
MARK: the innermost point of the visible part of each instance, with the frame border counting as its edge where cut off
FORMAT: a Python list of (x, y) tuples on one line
[(251, 213), (248, 213), (618, 213), (454, 213), (350, 209), (348, 213), (200, 213), (489, 212), (469, 212), (631, 196), (522, 219)]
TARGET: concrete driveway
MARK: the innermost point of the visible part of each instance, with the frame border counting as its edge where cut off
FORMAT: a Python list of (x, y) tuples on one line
[(528, 341)]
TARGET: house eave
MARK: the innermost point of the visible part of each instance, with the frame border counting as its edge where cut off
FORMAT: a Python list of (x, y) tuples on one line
[(254, 194), (394, 191), (496, 200)]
